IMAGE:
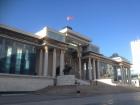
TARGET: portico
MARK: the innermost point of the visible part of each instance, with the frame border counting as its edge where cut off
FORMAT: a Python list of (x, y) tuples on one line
[(95, 67), (125, 74), (53, 58)]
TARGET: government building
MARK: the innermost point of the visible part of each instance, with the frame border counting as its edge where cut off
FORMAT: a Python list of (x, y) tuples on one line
[(30, 62)]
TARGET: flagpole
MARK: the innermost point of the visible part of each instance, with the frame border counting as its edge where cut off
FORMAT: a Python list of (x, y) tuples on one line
[(69, 18)]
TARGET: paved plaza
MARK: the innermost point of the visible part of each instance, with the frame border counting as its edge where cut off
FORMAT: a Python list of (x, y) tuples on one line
[(31, 99)]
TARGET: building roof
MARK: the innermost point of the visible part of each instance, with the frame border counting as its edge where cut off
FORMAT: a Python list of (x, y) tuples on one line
[(119, 58), (68, 29), (18, 30)]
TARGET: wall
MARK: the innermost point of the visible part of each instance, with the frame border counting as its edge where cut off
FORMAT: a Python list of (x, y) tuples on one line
[(12, 82), (66, 80)]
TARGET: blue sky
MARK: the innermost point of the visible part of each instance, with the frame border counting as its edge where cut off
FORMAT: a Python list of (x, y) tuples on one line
[(111, 24)]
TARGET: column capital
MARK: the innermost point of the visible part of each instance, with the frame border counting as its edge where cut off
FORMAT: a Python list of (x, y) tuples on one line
[(62, 50), (79, 50), (54, 49), (46, 48), (89, 61)]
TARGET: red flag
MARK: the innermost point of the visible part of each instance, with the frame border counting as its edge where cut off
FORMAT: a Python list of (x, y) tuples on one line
[(70, 18)]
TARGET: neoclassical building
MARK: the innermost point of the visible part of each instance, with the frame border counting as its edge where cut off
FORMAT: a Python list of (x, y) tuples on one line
[(33, 61)]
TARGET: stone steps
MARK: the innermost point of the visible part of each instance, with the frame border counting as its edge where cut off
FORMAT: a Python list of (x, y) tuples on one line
[(58, 89), (100, 88)]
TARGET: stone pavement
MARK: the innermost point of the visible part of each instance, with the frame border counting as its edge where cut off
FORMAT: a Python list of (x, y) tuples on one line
[(112, 99), (50, 95)]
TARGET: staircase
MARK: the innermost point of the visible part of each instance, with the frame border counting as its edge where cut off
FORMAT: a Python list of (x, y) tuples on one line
[(82, 82), (58, 90), (94, 89)]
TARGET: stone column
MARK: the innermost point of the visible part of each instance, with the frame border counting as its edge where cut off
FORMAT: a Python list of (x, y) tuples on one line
[(122, 74), (94, 69), (80, 72), (79, 59), (89, 68), (98, 69), (45, 66), (84, 70), (87, 71), (40, 62), (115, 73), (129, 76), (61, 62), (125, 76), (54, 63)]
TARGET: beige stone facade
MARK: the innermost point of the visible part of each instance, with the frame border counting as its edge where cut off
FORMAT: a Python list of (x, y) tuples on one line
[(56, 51)]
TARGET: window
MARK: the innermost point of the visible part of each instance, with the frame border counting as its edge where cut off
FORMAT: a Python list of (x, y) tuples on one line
[(27, 60), (16, 57), (85, 68), (18, 60), (9, 52), (8, 59)]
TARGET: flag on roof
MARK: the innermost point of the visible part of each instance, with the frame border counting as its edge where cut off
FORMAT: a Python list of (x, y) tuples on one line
[(70, 18)]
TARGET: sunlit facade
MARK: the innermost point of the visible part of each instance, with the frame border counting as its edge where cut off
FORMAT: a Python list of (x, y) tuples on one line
[(47, 53)]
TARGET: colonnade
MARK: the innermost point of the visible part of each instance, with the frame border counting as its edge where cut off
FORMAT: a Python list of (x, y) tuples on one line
[(125, 75), (91, 71), (43, 62)]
